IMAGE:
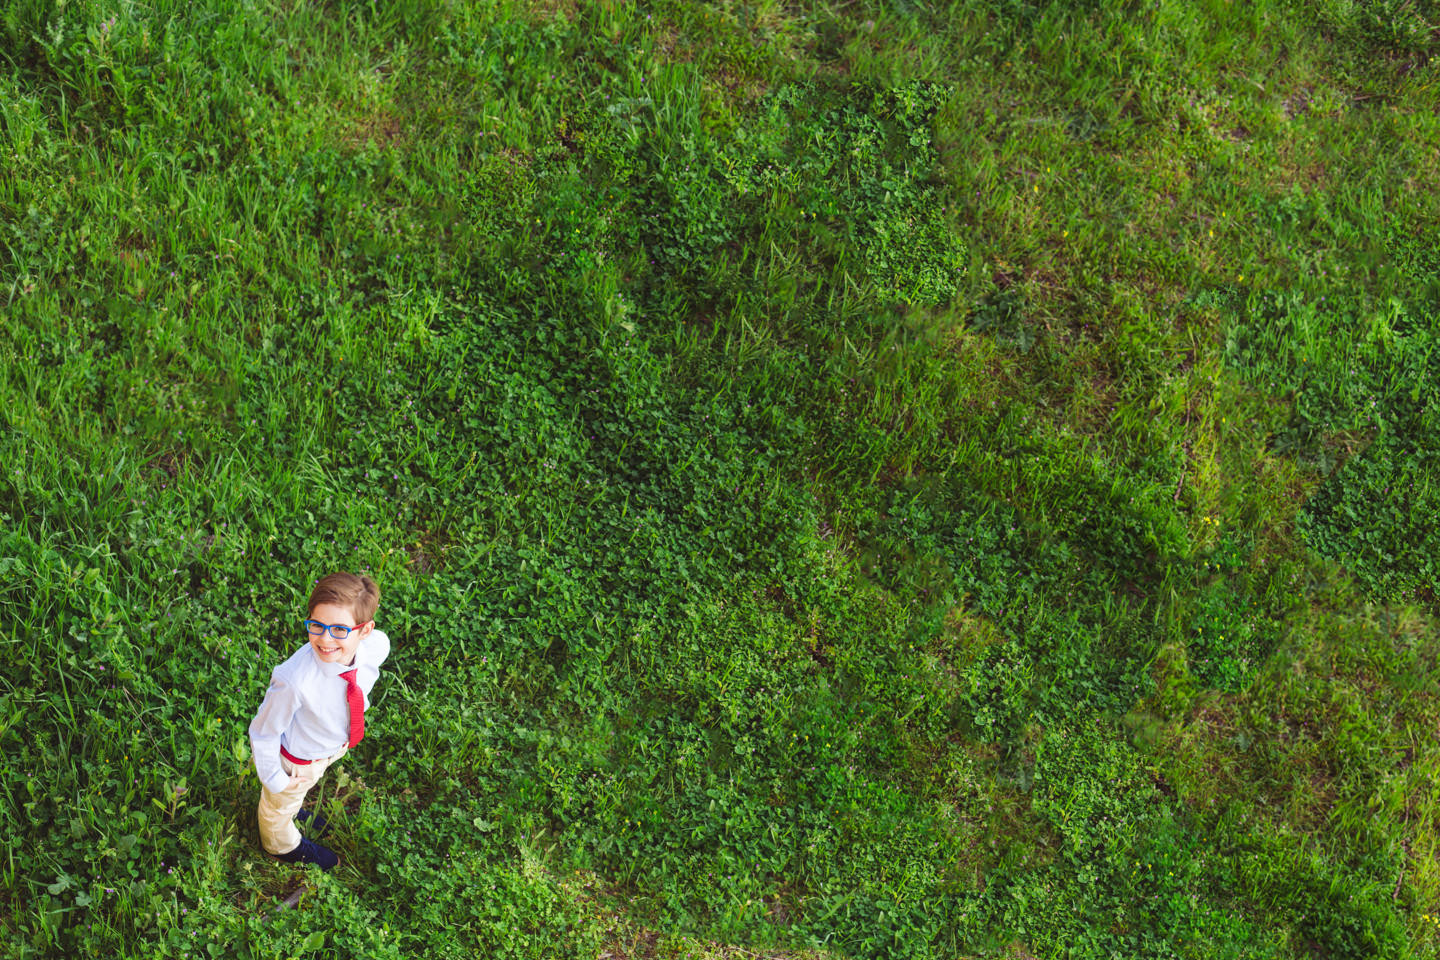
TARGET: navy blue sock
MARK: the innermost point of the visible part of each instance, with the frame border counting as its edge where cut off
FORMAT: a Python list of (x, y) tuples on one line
[(318, 824)]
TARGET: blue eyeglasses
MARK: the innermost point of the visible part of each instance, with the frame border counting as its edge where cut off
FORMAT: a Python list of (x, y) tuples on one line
[(337, 630)]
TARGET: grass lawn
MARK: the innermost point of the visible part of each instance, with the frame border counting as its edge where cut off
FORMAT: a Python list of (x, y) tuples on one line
[(846, 480)]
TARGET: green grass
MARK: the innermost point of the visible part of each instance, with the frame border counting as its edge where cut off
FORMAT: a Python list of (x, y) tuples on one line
[(846, 480)]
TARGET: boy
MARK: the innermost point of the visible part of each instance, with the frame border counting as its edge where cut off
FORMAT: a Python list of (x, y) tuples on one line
[(314, 711)]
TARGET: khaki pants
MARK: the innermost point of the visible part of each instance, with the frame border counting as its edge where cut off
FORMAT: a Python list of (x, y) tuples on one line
[(278, 833)]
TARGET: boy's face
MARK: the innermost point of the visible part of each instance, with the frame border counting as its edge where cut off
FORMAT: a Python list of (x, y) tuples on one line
[(331, 649)]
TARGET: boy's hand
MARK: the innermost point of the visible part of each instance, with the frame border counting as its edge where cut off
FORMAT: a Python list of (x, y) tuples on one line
[(295, 781)]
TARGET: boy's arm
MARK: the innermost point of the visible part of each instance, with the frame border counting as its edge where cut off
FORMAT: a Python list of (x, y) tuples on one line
[(281, 701)]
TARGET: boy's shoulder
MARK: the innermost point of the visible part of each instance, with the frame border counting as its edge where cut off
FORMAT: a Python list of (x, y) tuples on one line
[(378, 644), (299, 664)]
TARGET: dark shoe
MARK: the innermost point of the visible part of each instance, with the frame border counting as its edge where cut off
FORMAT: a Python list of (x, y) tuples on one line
[(317, 824), (310, 852)]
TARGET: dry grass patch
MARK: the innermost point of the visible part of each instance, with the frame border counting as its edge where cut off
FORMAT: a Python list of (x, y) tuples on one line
[(645, 944), (543, 11), (382, 129)]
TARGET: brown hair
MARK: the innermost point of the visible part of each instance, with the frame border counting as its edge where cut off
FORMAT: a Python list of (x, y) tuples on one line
[(359, 593)]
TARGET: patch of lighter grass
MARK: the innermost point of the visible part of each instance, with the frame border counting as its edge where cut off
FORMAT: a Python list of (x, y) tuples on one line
[(545, 11), (627, 936), (691, 948), (1299, 750)]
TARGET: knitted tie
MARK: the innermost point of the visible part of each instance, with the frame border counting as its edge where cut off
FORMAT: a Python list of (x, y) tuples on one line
[(356, 698)]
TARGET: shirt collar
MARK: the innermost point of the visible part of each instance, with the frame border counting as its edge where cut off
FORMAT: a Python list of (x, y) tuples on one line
[(333, 669)]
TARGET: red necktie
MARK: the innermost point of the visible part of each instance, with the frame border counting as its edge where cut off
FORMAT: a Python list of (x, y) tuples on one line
[(356, 698)]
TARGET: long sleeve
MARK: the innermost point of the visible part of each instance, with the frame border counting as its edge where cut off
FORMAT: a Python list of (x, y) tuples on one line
[(281, 701)]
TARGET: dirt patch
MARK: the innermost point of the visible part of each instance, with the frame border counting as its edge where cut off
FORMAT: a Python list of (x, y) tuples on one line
[(546, 10), (170, 462), (628, 939), (1090, 402), (383, 129), (744, 90), (670, 45), (1298, 103), (1299, 166), (644, 944)]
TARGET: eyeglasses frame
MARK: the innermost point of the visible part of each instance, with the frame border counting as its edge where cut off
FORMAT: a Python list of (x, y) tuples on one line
[(329, 627)]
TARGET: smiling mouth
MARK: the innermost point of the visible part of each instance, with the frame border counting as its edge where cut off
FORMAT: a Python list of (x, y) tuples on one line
[(328, 650)]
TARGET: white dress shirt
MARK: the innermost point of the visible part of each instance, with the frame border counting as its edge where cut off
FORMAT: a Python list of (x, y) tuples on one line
[(305, 709)]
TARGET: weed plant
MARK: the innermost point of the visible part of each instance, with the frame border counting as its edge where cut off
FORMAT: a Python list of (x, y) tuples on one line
[(846, 480)]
